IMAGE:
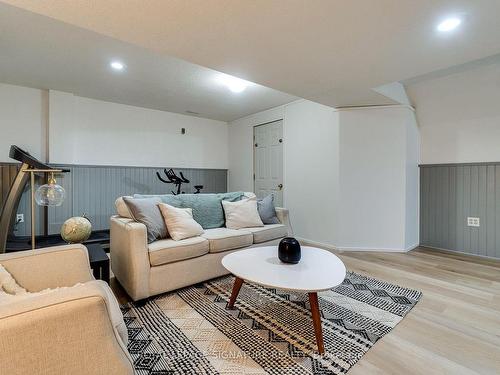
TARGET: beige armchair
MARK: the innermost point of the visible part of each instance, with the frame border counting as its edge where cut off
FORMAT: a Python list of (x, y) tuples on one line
[(76, 330)]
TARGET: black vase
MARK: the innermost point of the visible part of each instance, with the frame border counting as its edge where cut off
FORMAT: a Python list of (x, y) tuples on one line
[(289, 250)]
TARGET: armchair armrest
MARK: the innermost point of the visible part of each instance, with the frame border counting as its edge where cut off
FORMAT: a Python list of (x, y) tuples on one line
[(66, 331), (284, 218), (51, 267), (130, 256)]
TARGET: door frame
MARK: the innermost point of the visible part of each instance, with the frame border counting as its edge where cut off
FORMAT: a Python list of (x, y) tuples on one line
[(283, 152)]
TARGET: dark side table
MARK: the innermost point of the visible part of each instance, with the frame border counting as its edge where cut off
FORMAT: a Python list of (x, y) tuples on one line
[(99, 261)]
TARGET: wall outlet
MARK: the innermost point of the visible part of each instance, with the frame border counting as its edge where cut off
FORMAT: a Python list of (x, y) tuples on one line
[(20, 218), (472, 221)]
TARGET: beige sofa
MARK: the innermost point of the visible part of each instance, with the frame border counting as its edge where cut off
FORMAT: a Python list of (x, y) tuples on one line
[(78, 330), (146, 269)]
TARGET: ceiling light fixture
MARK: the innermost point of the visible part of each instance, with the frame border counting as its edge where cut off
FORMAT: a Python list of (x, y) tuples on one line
[(117, 65), (449, 24), (234, 84)]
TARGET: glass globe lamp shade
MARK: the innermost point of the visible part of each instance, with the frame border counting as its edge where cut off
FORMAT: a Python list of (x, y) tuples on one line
[(50, 194)]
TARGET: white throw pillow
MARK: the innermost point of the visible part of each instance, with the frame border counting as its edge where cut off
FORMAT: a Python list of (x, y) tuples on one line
[(179, 221), (242, 214)]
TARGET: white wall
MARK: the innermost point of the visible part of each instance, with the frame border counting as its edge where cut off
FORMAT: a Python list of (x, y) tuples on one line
[(88, 131), (350, 176), (311, 169), (412, 235), (459, 116), (309, 163), (378, 204), (20, 120)]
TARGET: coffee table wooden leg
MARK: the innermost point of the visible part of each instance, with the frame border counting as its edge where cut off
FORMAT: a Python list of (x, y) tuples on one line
[(316, 316), (236, 289)]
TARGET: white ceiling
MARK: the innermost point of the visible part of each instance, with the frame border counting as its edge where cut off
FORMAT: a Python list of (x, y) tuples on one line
[(329, 51), (37, 51)]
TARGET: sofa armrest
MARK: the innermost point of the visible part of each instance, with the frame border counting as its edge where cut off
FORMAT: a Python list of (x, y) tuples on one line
[(51, 267), (284, 218), (130, 256), (67, 331)]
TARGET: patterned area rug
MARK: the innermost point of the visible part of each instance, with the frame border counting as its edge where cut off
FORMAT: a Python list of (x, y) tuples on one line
[(269, 331)]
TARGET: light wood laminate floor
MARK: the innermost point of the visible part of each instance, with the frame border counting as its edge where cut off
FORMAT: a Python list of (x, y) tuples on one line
[(454, 329)]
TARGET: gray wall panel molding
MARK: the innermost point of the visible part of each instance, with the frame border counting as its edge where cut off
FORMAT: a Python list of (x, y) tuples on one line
[(459, 164), (449, 193), (131, 167), (93, 189)]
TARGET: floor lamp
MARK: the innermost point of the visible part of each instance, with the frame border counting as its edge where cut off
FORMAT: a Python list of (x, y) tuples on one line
[(50, 194)]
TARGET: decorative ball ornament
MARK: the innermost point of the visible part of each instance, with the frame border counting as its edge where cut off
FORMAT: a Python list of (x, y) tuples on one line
[(76, 229), (289, 250)]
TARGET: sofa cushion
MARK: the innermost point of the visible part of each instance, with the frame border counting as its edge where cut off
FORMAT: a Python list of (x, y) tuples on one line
[(267, 232), (169, 251), (222, 239), (207, 208)]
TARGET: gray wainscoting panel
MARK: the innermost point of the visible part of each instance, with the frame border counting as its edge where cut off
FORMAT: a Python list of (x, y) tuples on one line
[(92, 190), (451, 193)]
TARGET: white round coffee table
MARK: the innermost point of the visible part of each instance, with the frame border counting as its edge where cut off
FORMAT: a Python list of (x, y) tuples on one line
[(317, 270)]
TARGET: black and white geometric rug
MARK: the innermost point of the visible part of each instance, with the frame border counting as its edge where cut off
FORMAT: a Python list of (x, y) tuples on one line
[(269, 331)]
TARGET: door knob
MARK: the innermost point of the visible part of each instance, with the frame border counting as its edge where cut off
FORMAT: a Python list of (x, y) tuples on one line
[(280, 186)]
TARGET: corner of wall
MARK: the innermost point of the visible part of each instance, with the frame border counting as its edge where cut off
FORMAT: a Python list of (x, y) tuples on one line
[(412, 182)]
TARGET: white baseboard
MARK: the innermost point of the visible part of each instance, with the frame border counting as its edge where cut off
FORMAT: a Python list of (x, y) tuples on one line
[(330, 247), (306, 242), (412, 247), (377, 249)]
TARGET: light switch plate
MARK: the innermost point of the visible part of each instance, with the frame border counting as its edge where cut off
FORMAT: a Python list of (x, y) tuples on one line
[(472, 221), (20, 218)]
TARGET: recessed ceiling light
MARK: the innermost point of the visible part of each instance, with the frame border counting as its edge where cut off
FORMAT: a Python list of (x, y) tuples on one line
[(117, 65), (234, 84), (449, 24)]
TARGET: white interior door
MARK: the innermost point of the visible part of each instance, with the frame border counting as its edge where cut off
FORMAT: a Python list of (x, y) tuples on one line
[(268, 161)]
